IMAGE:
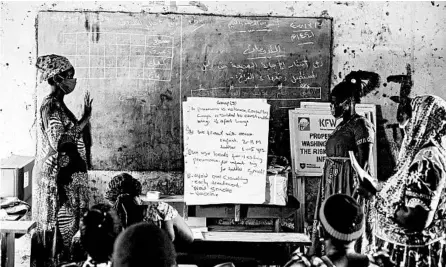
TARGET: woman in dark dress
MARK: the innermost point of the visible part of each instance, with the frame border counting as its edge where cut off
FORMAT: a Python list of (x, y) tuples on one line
[(354, 133)]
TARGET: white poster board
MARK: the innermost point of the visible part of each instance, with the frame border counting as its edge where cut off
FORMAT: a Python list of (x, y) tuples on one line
[(225, 150), (308, 143), (309, 130)]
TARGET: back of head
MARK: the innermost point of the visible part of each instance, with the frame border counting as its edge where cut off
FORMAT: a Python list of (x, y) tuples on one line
[(99, 229), (143, 244), (342, 218), (122, 191)]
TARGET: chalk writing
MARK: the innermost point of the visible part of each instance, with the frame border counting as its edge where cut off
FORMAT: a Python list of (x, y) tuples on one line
[(253, 25), (225, 152), (303, 91)]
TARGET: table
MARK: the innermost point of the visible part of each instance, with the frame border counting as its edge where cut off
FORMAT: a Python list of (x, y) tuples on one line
[(236, 211), (266, 248), (8, 230)]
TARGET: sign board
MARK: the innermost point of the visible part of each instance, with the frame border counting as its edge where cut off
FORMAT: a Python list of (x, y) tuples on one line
[(310, 127)]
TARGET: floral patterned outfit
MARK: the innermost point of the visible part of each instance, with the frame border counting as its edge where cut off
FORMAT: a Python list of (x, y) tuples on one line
[(419, 181), (157, 212), (60, 182)]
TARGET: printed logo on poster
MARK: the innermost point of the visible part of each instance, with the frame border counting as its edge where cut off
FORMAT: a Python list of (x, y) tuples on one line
[(304, 123)]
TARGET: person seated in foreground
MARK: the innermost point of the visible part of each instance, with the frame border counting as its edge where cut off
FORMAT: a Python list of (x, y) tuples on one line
[(124, 194), (99, 228), (143, 244), (342, 223)]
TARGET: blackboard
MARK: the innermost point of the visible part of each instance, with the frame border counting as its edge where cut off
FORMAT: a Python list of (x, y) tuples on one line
[(139, 67)]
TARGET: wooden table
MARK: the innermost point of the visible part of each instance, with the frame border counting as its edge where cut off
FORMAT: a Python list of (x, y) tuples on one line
[(8, 230), (235, 211), (240, 244), (261, 248)]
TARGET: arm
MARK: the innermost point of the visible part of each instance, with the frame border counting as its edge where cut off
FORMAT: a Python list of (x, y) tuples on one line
[(173, 223), (182, 229), (168, 227), (365, 155), (364, 137), (422, 193), (413, 219)]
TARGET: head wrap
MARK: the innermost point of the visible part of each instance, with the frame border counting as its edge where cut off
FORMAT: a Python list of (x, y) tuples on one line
[(122, 184), (427, 125), (51, 65), (143, 243), (342, 217), (122, 190)]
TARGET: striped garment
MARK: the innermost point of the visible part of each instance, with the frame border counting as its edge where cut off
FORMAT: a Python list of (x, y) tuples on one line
[(58, 205)]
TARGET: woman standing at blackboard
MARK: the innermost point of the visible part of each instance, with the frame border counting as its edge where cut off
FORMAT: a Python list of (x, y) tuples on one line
[(354, 133), (60, 186)]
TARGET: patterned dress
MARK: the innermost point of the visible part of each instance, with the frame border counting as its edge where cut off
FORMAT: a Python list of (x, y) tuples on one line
[(338, 174), (158, 212), (419, 181), (60, 182)]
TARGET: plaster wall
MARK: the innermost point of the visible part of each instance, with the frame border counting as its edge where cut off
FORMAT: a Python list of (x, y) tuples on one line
[(382, 37)]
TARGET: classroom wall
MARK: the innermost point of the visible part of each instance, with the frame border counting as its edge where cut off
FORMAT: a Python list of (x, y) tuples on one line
[(383, 37)]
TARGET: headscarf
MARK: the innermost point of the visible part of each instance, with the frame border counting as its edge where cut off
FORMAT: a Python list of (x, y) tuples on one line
[(427, 125), (122, 190), (342, 217), (51, 65), (122, 184)]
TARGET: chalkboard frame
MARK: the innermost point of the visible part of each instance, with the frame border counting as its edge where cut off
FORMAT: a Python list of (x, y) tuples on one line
[(324, 97)]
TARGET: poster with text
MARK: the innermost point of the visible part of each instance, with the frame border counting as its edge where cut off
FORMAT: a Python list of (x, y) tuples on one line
[(309, 131), (225, 150), (366, 110)]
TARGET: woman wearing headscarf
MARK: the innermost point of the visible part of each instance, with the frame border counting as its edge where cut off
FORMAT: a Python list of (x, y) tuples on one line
[(60, 186), (124, 191), (354, 133), (409, 210)]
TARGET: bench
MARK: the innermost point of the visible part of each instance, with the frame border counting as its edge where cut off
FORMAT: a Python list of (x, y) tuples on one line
[(8, 232)]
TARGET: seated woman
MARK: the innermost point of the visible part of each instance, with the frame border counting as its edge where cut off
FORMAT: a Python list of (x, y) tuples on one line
[(123, 193), (342, 223), (99, 228)]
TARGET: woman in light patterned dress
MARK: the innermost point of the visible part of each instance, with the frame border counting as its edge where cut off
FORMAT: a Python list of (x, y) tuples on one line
[(60, 182), (409, 210)]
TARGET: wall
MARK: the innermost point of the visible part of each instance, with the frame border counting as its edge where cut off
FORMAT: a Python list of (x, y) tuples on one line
[(376, 36)]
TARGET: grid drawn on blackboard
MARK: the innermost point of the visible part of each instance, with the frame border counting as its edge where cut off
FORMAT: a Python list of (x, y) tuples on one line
[(120, 55)]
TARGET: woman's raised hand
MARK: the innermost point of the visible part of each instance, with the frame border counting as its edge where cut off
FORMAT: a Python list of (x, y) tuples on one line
[(87, 105), (87, 111)]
